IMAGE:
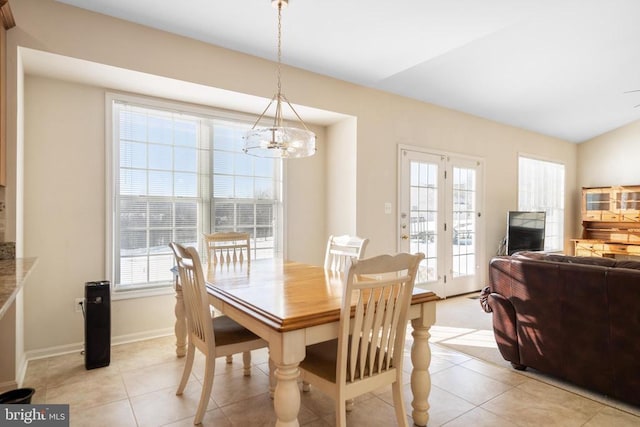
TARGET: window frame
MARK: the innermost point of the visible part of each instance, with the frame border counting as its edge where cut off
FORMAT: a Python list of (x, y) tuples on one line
[(112, 171)]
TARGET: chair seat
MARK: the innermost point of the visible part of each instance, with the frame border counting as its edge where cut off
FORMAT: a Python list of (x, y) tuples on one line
[(228, 331), (321, 360)]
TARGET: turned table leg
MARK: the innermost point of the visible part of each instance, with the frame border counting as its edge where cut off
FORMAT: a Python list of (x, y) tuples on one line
[(420, 377), (287, 395), (272, 378)]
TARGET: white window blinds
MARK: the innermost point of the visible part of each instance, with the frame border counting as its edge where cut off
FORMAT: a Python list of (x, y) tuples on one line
[(541, 188)]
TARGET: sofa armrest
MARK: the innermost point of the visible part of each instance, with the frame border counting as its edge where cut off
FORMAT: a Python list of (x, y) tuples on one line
[(504, 327)]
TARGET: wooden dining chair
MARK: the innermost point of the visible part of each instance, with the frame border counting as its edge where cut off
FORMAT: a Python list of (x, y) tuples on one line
[(339, 251), (368, 352), (341, 248), (227, 248), (213, 336)]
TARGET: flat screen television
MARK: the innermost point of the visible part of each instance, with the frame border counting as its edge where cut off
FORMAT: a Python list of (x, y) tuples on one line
[(525, 231)]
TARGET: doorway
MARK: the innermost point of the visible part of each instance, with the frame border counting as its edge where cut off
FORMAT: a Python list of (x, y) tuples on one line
[(440, 215)]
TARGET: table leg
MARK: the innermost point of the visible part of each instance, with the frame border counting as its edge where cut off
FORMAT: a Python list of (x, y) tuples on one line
[(420, 377), (272, 378), (180, 327), (287, 395)]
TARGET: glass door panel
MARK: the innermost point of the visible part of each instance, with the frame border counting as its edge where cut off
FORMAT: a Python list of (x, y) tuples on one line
[(423, 214), (464, 230), (420, 213)]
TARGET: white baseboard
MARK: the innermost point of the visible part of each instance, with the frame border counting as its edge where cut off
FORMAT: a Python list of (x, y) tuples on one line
[(141, 336), (78, 347), (53, 351)]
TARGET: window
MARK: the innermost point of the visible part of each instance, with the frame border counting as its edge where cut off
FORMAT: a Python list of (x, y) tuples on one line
[(177, 175), (541, 188)]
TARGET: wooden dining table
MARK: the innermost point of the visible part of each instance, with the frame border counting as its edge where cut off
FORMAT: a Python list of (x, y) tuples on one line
[(292, 305)]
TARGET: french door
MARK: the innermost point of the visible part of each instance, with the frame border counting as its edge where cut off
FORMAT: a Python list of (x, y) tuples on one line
[(440, 215)]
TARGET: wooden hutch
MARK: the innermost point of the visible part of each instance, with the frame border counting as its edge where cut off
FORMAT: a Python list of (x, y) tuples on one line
[(6, 23), (610, 222)]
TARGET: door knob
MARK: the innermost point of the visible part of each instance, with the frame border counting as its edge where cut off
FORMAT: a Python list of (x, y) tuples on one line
[(405, 237)]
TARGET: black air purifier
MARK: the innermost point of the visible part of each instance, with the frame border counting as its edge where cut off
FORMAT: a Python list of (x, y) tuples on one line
[(97, 324)]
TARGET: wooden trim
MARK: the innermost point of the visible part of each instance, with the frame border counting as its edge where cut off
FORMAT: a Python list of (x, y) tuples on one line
[(3, 107), (6, 15)]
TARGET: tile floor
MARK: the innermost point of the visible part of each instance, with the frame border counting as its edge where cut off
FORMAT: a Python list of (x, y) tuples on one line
[(138, 389)]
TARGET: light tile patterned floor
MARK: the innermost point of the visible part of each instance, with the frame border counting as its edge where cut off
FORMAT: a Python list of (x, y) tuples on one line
[(138, 389)]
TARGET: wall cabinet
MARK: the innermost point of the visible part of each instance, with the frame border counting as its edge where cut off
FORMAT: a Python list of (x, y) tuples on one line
[(610, 221), (6, 18)]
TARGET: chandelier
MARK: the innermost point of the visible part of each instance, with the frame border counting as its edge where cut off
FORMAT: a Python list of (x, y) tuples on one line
[(278, 140)]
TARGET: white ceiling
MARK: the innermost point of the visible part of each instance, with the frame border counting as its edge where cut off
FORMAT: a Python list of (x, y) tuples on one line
[(563, 68)]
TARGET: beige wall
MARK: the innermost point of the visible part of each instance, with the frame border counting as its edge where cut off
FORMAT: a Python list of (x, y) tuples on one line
[(64, 164), (305, 197), (611, 158), (340, 212), (61, 222)]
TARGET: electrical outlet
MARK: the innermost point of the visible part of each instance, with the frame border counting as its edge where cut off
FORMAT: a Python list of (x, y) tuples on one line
[(79, 304)]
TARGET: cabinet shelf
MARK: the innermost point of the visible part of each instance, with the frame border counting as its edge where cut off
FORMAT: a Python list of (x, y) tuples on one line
[(610, 221)]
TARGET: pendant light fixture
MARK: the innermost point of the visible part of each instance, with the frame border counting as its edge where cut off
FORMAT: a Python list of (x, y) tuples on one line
[(278, 140)]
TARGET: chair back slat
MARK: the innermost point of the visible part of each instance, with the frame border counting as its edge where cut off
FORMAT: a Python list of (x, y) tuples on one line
[(366, 336), (380, 332), (372, 336), (353, 344), (341, 249), (397, 302), (373, 332)]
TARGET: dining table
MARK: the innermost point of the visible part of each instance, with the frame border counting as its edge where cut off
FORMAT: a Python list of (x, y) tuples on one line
[(292, 305)]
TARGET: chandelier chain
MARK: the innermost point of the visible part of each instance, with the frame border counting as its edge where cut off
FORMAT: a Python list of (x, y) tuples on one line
[(279, 48)]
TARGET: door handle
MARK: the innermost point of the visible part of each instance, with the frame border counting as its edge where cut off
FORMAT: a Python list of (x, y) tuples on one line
[(405, 236)]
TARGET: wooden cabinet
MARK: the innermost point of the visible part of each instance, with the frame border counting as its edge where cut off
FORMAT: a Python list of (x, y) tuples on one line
[(6, 18), (610, 221), (596, 203), (589, 247), (628, 204)]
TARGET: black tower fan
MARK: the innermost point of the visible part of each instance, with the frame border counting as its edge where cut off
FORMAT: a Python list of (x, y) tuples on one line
[(97, 324)]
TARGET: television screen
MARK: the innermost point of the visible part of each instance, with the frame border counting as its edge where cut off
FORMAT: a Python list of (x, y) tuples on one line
[(525, 231)]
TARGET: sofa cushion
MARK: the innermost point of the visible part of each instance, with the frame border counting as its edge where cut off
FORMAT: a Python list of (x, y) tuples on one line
[(635, 265), (586, 260), (590, 260), (530, 255)]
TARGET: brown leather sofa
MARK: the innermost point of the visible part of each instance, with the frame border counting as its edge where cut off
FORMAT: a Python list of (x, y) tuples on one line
[(576, 318)]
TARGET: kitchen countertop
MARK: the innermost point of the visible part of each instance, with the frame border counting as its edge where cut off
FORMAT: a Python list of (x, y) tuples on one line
[(13, 274)]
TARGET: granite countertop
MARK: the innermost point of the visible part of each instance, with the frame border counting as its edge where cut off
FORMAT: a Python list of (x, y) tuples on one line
[(13, 274)]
